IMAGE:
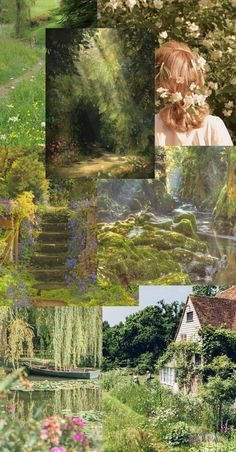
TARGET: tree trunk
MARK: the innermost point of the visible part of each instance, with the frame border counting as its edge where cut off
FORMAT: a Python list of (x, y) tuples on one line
[(18, 17)]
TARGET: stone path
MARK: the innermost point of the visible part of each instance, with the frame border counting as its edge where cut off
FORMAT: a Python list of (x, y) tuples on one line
[(7, 88)]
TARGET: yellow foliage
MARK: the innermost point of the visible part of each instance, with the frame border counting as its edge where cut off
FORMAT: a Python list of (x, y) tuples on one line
[(24, 207)]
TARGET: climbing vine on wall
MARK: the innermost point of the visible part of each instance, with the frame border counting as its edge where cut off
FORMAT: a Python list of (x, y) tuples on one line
[(182, 353)]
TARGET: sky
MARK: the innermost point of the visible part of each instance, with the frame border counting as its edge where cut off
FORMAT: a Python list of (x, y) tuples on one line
[(148, 295)]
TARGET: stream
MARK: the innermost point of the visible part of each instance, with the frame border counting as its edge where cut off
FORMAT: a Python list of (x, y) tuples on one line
[(220, 246)]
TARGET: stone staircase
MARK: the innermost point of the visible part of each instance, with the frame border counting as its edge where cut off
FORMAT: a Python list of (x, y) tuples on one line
[(48, 261)]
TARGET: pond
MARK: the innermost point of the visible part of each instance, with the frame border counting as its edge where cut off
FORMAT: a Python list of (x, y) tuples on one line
[(53, 396)]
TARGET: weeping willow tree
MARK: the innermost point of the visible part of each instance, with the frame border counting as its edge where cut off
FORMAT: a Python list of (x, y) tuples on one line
[(70, 337), (77, 337)]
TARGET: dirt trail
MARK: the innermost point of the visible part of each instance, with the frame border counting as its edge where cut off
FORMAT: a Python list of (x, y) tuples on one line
[(90, 167), (7, 88)]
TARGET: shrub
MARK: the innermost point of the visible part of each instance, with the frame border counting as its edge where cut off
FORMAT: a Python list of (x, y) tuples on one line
[(179, 434)]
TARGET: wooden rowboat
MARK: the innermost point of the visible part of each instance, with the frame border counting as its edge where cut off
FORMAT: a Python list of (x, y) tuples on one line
[(79, 373)]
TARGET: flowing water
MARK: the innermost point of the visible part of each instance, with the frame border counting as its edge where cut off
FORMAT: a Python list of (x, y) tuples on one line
[(221, 246)]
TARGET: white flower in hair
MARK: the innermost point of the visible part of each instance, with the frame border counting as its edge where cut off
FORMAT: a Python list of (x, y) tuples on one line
[(188, 101), (163, 92), (176, 97), (180, 80), (199, 99), (193, 86)]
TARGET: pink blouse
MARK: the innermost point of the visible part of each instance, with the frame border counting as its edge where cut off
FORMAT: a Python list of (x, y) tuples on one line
[(212, 133)]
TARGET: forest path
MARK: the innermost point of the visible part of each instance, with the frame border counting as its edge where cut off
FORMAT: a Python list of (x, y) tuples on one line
[(48, 263), (7, 88), (113, 163)]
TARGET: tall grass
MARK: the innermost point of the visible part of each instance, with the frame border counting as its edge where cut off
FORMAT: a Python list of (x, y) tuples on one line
[(124, 430), (22, 114), (16, 58), (43, 7)]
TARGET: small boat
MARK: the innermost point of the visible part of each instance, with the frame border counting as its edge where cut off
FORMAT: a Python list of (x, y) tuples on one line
[(78, 373)]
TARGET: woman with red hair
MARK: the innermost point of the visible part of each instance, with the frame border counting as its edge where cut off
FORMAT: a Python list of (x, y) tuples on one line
[(185, 118)]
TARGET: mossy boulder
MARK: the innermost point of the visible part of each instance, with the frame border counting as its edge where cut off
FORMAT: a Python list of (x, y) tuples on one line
[(174, 279), (186, 216), (185, 227)]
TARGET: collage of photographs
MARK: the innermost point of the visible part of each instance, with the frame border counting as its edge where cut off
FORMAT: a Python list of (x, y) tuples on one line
[(117, 225)]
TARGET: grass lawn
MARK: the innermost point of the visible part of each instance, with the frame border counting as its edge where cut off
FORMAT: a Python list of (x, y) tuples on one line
[(15, 59), (44, 6), (23, 112)]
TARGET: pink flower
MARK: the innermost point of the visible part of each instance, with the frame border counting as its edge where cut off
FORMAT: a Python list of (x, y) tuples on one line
[(79, 437), (43, 436), (78, 421)]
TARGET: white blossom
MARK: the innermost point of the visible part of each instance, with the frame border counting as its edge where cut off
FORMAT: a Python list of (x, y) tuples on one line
[(13, 119), (164, 34), (227, 113), (176, 97), (229, 104), (158, 4), (213, 85)]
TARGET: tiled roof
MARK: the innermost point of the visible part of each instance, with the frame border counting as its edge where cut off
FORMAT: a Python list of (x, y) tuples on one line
[(228, 293), (215, 311)]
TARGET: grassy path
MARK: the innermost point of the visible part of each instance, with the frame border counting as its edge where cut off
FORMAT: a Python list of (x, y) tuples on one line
[(124, 430), (6, 89)]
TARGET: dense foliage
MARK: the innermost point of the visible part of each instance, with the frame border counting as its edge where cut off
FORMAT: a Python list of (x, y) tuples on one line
[(99, 92), (207, 26), (141, 339), (82, 13)]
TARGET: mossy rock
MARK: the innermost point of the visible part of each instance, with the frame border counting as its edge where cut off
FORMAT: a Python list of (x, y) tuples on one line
[(111, 239), (172, 279), (195, 263), (186, 216), (185, 227)]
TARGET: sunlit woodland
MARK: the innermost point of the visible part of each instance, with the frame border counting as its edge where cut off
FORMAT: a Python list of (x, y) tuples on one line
[(49, 369), (176, 229), (100, 103)]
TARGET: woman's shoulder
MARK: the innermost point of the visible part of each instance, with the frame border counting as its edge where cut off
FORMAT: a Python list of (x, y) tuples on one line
[(216, 131), (213, 120)]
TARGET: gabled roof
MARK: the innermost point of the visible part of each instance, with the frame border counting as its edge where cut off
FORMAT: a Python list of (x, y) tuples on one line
[(228, 293), (215, 311)]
